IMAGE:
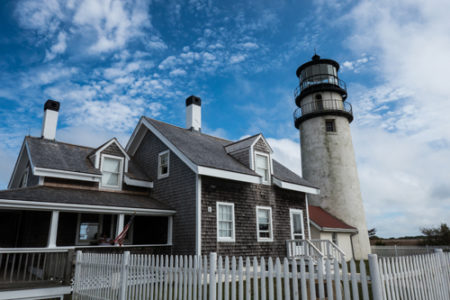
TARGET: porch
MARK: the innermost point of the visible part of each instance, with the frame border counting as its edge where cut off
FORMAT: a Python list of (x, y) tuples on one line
[(314, 249)]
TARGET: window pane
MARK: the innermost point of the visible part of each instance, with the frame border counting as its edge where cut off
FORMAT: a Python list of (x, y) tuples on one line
[(263, 216), (110, 179), (88, 231), (111, 165), (297, 220), (261, 161), (225, 213)]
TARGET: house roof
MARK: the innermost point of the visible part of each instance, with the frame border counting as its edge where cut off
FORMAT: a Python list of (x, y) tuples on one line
[(55, 155), (60, 156), (209, 151), (62, 195), (326, 221), (202, 149)]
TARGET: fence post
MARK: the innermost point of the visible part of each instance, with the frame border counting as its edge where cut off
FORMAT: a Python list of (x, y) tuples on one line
[(124, 276), (68, 270), (375, 277), (212, 275), (77, 272)]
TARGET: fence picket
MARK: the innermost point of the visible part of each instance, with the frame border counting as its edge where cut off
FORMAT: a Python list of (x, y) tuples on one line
[(320, 278), (248, 291), (233, 278), (362, 271), (278, 277), (219, 278), (287, 288), (355, 292), (226, 284), (312, 280), (263, 278), (255, 278), (205, 277), (337, 280), (270, 278), (345, 279), (241, 278), (295, 293), (329, 280)]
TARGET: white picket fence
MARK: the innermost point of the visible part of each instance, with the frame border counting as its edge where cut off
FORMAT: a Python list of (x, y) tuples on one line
[(126, 276), (416, 277)]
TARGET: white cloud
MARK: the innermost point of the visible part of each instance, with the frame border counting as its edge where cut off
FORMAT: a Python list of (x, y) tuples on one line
[(102, 25), (287, 152), (402, 131), (234, 59), (57, 48), (177, 72)]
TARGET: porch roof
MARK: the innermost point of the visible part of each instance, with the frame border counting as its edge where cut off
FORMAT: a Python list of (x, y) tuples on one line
[(89, 199), (325, 221)]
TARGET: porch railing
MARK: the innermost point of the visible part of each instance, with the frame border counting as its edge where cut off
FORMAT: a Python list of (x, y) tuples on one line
[(302, 248), (35, 265), (329, 249)]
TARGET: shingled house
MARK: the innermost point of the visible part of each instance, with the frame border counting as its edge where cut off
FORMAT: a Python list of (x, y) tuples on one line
[(192, 193)]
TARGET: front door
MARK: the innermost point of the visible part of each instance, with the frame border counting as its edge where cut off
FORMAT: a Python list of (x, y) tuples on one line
[(297, 232)]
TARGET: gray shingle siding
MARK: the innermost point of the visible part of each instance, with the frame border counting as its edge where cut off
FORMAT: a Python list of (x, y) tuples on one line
[(261, 146), (113, 149), (177, 190), (246, 197)]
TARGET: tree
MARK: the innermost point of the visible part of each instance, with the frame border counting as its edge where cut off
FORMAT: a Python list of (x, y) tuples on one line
[(437, 235), (373, 234)]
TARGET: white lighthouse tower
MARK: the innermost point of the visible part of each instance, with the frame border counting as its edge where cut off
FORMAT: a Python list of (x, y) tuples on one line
[(328, 160)]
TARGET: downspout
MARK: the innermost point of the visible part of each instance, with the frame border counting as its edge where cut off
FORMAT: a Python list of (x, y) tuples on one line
[(351, 243), (198, 204), (307, 216)]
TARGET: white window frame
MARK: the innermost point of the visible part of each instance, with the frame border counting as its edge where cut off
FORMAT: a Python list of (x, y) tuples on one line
[(264, 239), (269, 171), (112, 187), (293, 211), (225, 239), (160, 175)]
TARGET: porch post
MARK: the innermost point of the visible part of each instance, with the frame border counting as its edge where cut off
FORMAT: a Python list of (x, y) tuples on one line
[(53, 229), (120, 221)]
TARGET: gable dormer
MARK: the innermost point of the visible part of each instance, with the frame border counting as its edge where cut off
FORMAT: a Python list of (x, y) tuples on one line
[(255, 153), (112, 161)]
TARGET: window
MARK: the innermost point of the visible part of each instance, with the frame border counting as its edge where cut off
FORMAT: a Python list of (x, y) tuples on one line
[(262, 167), (111, 172), (297, 232), (225, 222), (330, 126), (334, 238), (163, 164), (24, 180), (89, 228), (264, 224)]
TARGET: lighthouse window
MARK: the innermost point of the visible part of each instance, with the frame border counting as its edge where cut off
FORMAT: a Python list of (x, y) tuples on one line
[(330, 126)]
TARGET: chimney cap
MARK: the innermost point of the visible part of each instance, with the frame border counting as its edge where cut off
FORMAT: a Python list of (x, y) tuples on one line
[(193, 100), (51, 105)]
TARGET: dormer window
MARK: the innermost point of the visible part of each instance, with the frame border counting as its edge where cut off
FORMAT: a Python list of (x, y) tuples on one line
[(163, 164), (24, 180), (112, 172), (262, 167)]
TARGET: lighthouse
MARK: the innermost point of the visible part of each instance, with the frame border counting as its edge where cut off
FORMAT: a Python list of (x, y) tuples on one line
[(323, 118)]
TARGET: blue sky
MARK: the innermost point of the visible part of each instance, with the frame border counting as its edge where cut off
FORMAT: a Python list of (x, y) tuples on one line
[(109, 62)]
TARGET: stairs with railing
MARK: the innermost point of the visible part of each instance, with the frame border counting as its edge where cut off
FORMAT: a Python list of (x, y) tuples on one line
[(314, 249)]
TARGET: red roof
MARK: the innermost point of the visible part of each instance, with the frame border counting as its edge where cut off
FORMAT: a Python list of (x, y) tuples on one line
[(324, 219)]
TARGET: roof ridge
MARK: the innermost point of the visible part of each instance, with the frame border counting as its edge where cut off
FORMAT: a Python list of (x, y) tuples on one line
[(59, 142), (247, 138), (185, 129)]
